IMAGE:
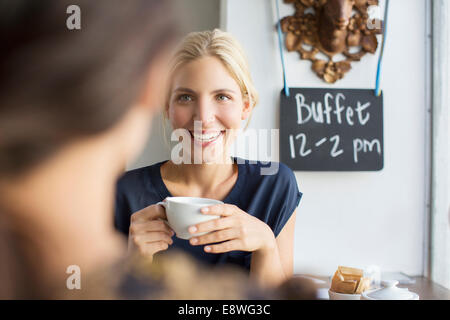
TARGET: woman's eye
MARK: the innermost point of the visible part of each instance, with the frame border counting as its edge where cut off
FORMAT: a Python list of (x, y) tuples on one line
[(184, 98), (222, 97)]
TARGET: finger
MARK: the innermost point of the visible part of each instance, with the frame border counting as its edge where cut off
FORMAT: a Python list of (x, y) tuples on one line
[(153, 247), (214, 237), (220, 210), (150, 226), (226, 246), (142, 239), (212, 225), (153, 212)]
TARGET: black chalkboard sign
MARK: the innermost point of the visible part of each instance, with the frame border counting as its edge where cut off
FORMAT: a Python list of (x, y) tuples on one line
[(331, 130)]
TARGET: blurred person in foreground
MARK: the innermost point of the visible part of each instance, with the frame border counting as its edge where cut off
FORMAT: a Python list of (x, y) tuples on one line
[(75, 107)]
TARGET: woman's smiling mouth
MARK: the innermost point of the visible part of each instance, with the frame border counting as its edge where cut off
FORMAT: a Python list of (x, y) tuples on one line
[(207, 138)]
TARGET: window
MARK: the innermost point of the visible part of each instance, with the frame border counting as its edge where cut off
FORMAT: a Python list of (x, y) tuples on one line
[(440, 163)]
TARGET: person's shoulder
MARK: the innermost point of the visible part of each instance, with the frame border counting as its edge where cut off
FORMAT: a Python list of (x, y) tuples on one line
[(285, 171), (132, 175), (138, 174), (268, 170)]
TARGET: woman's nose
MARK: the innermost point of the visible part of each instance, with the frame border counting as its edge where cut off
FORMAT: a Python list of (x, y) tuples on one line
[(204, 112)]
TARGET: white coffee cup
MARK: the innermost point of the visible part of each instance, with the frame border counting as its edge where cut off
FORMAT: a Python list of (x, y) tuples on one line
[(183, 212)]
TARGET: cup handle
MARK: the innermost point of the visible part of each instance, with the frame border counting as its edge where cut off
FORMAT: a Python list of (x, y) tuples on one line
[(164, 204)]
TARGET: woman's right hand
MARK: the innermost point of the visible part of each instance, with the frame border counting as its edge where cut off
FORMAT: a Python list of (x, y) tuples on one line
[(149, 233)]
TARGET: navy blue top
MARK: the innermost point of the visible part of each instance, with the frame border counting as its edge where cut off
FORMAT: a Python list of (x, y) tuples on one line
[(270, 198)]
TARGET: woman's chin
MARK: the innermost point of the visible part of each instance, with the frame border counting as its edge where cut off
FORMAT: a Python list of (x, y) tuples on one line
[(212, 153), (208, 156)]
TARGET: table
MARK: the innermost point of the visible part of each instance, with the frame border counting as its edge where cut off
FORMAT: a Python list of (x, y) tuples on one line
[(424, 287), (428, 290)]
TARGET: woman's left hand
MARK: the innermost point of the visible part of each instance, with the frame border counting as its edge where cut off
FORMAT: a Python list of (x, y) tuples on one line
[(235, 230)]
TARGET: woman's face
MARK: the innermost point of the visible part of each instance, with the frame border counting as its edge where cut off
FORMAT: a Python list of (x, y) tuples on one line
[(203, 90)]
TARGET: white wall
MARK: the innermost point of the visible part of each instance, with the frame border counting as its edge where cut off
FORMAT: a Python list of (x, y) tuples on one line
[(359, 218)]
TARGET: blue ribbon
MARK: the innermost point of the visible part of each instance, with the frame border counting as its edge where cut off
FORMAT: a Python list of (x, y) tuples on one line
[(380, 59), (281, 45)]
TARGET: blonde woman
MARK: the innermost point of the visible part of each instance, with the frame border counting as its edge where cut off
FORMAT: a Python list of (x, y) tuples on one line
[(210, 85)]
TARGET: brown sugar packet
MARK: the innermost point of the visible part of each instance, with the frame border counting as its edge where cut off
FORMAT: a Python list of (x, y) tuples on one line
[(337, 278), (353, 272), (349, 280), (364, 284), (346, 286)]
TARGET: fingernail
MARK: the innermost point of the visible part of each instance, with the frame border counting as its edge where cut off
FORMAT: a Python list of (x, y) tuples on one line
[(208, 248), (192, 229), (194, 240), (205, 210)]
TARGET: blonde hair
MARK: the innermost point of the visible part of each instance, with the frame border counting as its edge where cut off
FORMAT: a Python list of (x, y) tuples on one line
[(226, 48)]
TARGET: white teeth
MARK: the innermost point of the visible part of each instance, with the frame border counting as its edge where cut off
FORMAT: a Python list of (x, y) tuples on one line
[(206, 137)]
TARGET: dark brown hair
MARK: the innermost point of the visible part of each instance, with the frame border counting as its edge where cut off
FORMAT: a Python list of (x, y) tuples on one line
[(57, 84)]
